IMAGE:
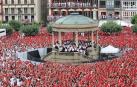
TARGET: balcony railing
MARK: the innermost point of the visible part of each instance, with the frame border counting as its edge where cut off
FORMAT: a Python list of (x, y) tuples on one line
[(102, 6), (9, 4), (69, 5), (104, 17), (110, 7), (117, 6)]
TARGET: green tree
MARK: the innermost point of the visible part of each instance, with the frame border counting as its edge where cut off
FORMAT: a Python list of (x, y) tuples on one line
[(8, 28), (15, 25), (36, 23), (134, 28), (49, 28), (111, 27), (134, 19), (0, 23), (30, 30)]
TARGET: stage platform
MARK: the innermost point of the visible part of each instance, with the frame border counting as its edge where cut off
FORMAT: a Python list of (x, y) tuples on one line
[(69, 58)]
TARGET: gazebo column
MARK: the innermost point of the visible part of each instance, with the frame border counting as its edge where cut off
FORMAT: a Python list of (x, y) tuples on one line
[(92, 40), (59, 38), (97, 38), (76, 38), (52, 39)]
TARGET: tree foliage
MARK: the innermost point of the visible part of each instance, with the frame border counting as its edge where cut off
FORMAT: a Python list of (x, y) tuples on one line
[(15, 25), (134, 28), (49, 28), (134, 19), (111, 27), (30, 30)]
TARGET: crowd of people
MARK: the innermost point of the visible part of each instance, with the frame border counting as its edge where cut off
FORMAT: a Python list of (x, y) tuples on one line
[(119, 72)]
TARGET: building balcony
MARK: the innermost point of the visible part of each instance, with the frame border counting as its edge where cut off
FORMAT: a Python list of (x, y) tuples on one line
[(109, 7), (16, 4), (104, 17), (18, 14), (70, 5), (102, 6), (117, 6)]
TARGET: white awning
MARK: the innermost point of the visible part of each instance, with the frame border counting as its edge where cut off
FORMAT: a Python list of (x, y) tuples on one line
[(123, 23), (71, 10), (63, 10), (86, 9), (55, 10), (78, 9)]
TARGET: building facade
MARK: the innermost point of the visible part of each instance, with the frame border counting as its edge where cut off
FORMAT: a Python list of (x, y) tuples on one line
[(21, 10), (59, 8), (109, 9), (1, 10), (129, 9)]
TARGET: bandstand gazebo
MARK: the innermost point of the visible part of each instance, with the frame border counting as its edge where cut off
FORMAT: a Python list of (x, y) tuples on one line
[(76, 24)]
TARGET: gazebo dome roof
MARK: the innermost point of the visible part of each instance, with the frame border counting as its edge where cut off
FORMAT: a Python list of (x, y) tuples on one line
[(75, 19), (75, 22)]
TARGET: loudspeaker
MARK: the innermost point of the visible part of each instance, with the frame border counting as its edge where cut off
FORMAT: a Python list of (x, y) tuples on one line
[(34, 56)]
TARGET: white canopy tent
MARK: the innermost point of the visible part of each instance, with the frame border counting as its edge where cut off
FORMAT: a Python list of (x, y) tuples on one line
[(109, 49), (123, 23), (120, 22), (2, 32)]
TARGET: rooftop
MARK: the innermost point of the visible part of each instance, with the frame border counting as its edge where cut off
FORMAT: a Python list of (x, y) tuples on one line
[(75, 19)]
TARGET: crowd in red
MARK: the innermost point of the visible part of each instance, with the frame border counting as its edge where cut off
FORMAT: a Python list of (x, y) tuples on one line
[(124, 39), (119, 72)]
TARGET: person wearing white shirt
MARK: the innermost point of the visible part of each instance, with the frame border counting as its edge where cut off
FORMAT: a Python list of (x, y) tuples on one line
[(13, 81), (19, 82), (66, 49)]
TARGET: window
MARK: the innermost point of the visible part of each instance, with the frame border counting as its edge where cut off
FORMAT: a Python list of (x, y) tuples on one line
[(19, 17), (133, 4), (26, 17), (32, 1), (32, 10), (102, 4), (12, 10), (19, 11), (32, 18), (19, 1), (6, 10), (6, 18), (110, 4), (25, 1), (6, 2), (13, 17), (25, 10), (12, 1), (117, 4)]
